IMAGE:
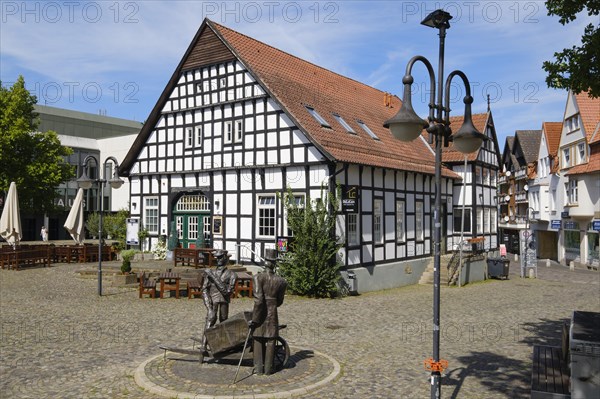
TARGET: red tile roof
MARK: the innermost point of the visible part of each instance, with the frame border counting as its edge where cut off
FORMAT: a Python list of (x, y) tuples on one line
[(552, 131), (589, 109), (295, 83), (450, 154)]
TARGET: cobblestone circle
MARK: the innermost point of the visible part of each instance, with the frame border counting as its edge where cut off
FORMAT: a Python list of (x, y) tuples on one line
[(59, 339)]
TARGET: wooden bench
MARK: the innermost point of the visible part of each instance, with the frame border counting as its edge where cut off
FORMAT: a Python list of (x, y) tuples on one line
[(550, 377), (194, 287), (147, 286), (189, 256), (30, 257)]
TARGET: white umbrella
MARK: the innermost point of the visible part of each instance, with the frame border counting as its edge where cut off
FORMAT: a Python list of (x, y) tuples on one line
[(75, 224), (10, 221)]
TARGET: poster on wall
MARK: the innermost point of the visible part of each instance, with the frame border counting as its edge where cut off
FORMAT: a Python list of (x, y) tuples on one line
[(217, 225), (133, 227)]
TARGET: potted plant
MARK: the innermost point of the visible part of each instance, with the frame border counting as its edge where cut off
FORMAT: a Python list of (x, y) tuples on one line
[(126, 277)]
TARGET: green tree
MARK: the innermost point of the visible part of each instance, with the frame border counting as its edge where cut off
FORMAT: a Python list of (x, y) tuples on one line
[(115, 225), (34, 160), (576, 68), (311, 267)]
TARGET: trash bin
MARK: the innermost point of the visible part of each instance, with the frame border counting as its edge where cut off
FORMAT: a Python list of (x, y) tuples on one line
[(352, 283), (498, 267)]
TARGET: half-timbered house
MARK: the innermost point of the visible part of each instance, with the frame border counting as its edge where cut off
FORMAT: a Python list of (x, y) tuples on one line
[(240, 121)]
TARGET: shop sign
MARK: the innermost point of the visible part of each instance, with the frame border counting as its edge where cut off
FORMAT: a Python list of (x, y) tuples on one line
[(571, 225), (596, 225), (564, 214), (350, 199), (555, 224)]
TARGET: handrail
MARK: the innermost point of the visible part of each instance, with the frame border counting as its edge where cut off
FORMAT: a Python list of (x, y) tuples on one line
[(247, 249)]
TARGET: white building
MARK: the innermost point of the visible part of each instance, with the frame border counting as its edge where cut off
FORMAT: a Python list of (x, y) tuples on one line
[(240, 121)]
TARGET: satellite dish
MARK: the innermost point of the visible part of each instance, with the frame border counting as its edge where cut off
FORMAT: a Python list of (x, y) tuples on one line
[(526, 187), (507, 198), (507, 173), (506, 218)]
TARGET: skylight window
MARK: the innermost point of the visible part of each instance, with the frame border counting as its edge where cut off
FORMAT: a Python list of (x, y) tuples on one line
[(317, 117), (366, 129), (344, 124)]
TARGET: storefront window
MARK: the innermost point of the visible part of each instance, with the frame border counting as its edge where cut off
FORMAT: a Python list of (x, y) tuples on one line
[(572, 245)]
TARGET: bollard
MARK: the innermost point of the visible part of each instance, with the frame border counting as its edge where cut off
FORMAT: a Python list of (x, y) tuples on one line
[(531, 273), (547, 262), (572, 265), (516, 257)]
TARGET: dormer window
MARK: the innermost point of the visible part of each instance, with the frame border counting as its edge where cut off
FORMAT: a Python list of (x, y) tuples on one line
[(317, 117), (367, 129), (344, 124)]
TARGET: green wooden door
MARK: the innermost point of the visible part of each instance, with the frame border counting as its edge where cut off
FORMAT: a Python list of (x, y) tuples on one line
[(192, 217)]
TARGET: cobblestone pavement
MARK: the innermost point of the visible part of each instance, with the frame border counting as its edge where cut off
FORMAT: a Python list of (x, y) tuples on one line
[(59, 339)]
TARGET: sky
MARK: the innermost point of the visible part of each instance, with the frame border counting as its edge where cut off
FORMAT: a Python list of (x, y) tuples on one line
[(116, 57)]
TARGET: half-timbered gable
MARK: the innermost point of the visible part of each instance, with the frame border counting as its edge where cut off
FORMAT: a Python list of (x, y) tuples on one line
[(241, 121), (476, 192)]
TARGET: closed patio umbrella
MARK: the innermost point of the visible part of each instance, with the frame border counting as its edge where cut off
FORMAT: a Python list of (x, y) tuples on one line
[(75, 224), (10, 221)]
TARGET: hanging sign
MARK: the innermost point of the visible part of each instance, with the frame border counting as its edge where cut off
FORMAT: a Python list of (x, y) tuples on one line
[(133, 227), (350, 199)]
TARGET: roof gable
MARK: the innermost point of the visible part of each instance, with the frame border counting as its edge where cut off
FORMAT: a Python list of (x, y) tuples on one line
[(527, 143), (294, 84), (552, 131), (589, 109)]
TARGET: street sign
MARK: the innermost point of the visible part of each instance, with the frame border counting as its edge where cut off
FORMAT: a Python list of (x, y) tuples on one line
[(555, 224), (596, 225)]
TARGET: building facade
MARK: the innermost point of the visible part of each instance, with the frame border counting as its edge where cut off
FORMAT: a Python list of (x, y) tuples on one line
[(240, 122), (87, 134)]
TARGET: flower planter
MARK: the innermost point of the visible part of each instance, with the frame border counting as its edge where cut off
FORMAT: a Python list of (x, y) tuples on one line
[(124, 279)]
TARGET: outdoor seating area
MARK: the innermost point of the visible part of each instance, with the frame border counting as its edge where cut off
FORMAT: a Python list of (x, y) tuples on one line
[(197, 257), (20, 256), (169, 284)]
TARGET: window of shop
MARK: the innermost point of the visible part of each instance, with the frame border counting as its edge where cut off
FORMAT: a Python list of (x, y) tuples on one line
[(572, 245), (593, 248)]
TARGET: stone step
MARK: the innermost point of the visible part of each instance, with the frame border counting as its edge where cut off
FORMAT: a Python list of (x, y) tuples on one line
[(427, 277)]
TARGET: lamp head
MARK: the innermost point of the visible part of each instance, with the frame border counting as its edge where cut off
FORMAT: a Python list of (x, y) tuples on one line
[(406, 125), (84, 181), (437, 19), (468, 139)]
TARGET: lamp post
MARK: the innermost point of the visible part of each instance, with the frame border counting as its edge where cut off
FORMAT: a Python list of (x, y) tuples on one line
[(406, 125), (86, 182)]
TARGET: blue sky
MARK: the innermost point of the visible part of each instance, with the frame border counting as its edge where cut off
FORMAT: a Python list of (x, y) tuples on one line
[(116, 57)]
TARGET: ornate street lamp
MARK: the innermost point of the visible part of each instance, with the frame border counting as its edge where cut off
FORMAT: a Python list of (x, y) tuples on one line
[(406, 125), (86, 182)]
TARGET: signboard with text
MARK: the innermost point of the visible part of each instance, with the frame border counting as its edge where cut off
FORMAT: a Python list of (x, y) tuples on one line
[(350, 199), (555, 224), (133, 227)]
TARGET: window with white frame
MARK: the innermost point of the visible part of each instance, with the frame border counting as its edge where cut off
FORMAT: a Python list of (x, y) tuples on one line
[(378, 221), (352, 232), (151, 214), (400, 233), (419, 231), (299, 201), (566, 157), (486, 220), (189, 137), (572, 191), (478, 175), (239, 131), (479, 221), (581, 153), (266, 215), (493, 177), (493, 220), (486, 177), (553, 201), (317, 116), (228, 132), (367, 129)]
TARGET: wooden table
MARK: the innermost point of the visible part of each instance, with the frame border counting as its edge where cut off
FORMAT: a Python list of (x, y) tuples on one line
[(243, 283), (169, 281)]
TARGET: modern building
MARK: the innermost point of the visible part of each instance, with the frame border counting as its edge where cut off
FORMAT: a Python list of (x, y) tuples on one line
[(239, 122), (87, 134)]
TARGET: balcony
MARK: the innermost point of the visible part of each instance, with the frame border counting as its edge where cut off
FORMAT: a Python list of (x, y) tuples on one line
[(581, 213), (521, 174), (521, 197)]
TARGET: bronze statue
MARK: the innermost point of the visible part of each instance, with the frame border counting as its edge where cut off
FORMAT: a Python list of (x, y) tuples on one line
[(217, 288), (268, 291)]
